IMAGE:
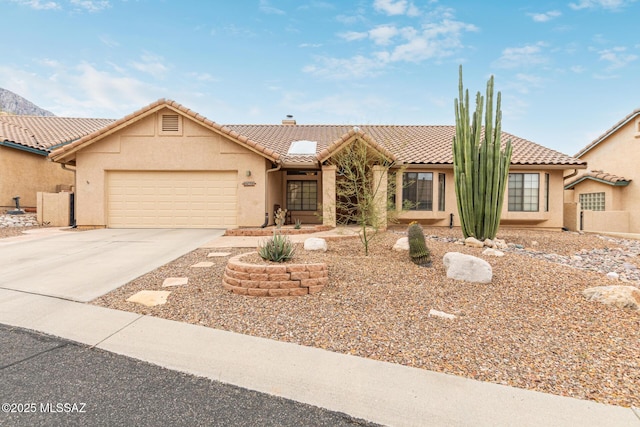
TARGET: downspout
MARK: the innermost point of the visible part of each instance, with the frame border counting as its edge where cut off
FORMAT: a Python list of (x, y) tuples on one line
[(266, 195), (571, 175)]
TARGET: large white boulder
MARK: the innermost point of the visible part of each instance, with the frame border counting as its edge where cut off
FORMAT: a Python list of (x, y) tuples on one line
[(315, 244), (402, 244), (466, 267), (619, 296)]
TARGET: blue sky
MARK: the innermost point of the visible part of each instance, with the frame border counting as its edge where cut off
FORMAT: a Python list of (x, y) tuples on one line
[(568, 70)]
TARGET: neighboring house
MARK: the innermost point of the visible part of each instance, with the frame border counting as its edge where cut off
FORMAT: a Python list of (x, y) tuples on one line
[(605, 197), (25, 143), (167, 166)]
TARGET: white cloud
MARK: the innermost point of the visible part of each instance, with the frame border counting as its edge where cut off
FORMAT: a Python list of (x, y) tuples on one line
[(108, 41), (337, 68), (617, 57), (545, 17), (309, 45), (265, 7), (396, 7), (354, 35), (151, 64), (202, 77), (525, 56), (436, 40), (578, 69), (597, 4), (383, 34), (81, 90), (439, 36), (91, 5), (38, 4)]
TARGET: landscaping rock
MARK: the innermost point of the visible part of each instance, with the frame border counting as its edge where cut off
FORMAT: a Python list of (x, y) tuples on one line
[(492, 252), (466, 267), (489, 243), (402, 244), (472, 242), (436, 313), (150, 298), (500, 244), (613, 275), (175, 281), (315, 244), (619, 296)]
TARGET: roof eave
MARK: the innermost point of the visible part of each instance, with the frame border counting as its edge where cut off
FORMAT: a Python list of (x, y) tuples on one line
[(21, 147), (621, 183)]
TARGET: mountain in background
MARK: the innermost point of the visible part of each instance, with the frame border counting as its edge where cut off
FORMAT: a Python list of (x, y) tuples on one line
[(10, 103)]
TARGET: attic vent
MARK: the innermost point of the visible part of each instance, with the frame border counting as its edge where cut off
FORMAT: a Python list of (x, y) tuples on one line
[(170, 123)]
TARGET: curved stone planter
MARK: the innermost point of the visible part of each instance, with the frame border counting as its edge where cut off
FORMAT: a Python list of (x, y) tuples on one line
[(273, 280)]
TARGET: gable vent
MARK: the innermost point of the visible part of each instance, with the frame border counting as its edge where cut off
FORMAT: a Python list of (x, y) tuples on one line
[(170, 123)]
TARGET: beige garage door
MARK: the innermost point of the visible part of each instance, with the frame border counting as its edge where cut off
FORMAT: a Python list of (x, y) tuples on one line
[(190, 199)]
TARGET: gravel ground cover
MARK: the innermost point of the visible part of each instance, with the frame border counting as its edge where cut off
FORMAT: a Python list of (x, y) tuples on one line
[(530, 328)]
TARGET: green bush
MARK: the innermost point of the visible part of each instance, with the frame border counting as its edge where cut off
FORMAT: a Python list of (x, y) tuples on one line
[(418, 250), (277, 248)]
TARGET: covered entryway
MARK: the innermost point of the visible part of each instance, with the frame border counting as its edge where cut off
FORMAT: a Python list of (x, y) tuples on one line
[(171, 199)]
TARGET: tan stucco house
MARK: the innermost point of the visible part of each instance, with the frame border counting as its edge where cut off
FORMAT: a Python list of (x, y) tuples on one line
[(25, 143), (168, 166), (606, 196)]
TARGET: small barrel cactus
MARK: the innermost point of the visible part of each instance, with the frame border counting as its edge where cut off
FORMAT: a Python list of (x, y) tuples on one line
[(418, 250)]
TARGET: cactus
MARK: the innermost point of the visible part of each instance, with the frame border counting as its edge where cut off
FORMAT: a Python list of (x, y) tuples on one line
[(480, 165), (418, 250)]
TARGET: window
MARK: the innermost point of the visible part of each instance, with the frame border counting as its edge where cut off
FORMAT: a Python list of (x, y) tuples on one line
[(441, 189), (302, 195), (523, 192), (592, 201), (417, 191), (546, 192)]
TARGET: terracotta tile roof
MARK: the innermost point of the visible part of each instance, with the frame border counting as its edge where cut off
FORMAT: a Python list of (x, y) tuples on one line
[(68, 150), (44, 132), (405, 144), (599, 176), (409, 144), (598, 140)]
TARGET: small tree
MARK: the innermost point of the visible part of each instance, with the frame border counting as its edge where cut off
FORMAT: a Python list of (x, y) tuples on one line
[(359, 189), (480, 165)]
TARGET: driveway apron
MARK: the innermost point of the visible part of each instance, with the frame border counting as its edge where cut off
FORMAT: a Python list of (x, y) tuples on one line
[(81, 266)]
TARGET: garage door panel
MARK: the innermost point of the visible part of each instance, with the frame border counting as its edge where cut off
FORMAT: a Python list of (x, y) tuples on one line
[(171, 199)]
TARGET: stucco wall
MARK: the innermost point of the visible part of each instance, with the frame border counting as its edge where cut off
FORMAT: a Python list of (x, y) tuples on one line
[(619, 155), (24, 174), (142, 147)]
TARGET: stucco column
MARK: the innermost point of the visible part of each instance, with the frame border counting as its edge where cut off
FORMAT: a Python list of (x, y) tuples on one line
[(329, 195), (380, 179)]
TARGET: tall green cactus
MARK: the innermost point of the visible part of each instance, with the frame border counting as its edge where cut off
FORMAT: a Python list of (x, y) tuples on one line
[(480, 165)]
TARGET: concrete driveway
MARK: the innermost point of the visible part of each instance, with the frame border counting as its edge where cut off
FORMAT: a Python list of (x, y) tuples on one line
[(81, 266)]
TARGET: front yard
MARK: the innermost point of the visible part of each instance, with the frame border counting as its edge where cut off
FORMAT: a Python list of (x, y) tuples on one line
[(530, 328)]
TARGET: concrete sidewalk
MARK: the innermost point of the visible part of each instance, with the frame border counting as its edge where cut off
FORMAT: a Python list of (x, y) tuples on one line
[(381, 392)]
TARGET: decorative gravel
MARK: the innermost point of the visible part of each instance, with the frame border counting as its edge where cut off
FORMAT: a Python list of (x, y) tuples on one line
[(530, 328)]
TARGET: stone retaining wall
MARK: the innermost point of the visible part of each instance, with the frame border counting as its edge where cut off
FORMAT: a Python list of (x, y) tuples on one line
[(268, 231), (25, 220), (274, 280)]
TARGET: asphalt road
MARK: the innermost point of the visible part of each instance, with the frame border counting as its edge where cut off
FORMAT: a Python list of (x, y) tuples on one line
[(48, 381)]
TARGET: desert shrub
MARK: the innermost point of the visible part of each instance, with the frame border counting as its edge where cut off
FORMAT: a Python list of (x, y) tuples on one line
[(277, 248), (418, 250)]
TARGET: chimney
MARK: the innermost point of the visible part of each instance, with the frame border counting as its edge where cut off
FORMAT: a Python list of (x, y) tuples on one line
[(289, 121)]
